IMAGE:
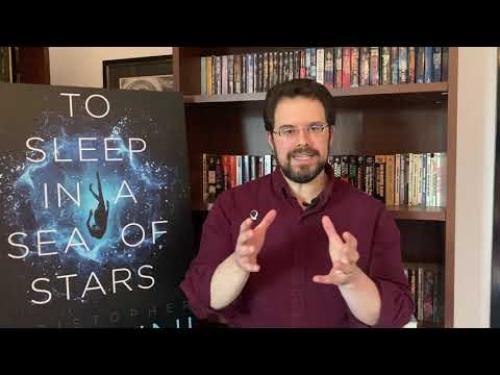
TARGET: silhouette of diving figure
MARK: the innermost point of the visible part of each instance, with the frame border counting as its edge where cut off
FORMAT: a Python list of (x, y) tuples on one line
[(100, 214)]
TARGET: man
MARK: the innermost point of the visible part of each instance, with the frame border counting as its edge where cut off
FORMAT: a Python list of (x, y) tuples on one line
[(299, 248)]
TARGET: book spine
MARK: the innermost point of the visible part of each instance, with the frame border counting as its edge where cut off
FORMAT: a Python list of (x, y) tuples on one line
[(395, 65), (354, 67), (386, 66), (364, 66), (374, 66), (403, 65), (203, 74)]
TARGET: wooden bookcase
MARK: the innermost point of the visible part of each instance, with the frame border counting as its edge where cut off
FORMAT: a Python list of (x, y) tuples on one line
[(371, 120), (29, 65)]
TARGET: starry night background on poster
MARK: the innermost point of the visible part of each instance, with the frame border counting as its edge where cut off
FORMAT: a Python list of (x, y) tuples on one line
[(144, 187)]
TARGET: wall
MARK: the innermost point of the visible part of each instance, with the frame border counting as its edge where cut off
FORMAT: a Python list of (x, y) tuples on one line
[(82, 66), (476, 130)]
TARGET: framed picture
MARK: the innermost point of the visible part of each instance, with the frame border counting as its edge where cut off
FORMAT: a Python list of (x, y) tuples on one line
[(153, 73)]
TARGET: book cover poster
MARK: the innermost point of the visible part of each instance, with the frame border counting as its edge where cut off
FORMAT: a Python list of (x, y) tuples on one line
[(95, 216)]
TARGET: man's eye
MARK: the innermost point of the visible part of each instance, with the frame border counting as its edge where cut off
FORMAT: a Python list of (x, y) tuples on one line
[(288, 131)]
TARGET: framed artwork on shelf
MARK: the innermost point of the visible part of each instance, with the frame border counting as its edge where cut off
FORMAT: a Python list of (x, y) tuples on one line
[(154, 73)]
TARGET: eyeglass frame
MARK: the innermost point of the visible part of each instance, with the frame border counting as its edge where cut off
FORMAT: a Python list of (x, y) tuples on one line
[(307, 128)]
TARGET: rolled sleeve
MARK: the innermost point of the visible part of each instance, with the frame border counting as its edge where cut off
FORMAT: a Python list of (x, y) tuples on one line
[(215, 246), (386, 271)]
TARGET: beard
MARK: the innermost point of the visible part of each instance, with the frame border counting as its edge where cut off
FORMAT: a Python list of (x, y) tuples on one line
[(304, 173)]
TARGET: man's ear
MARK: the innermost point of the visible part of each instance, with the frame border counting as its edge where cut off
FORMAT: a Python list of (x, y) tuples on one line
[(330, 136), (270, 141)]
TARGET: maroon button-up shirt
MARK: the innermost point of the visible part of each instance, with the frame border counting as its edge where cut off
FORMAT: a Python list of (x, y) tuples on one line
[(282, 293)]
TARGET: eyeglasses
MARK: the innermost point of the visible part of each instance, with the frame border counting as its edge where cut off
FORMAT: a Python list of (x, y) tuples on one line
[(291, 132)]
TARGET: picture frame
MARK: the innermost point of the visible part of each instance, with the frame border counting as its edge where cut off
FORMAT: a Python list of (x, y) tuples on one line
[(152, 73)]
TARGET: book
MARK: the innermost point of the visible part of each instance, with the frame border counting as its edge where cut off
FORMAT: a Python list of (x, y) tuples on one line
[(411, 64), (420, 64), (374, 66), (346, 67), (203, 74), (354, 66), (320, 65), (394, 65), (436, 64), (224, 75), (428, 64), (403, 65), (364, 66), (329, 68), (386, 66), (444, 64), (338, 56)]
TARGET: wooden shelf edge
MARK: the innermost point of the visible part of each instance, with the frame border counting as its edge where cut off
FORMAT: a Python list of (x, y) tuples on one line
[(418, 213), (409, 88)]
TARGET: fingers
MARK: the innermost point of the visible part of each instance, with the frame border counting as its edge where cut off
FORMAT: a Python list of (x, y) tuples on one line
[(267, 220), (244, 237), (248, 263), (350, 240), (249, 266), (350, 251), (343, 268), (332, 234), (333, 278), (322, 279), (246, 225), (244, 251)]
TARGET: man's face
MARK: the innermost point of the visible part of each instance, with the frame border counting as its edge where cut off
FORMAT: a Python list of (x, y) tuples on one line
[(303, 154)]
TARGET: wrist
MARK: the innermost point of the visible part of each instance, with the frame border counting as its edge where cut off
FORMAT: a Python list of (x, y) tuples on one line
[(237, 265), (355, 278)]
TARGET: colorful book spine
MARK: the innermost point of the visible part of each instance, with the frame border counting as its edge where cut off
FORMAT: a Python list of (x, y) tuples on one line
[(203, 74), (346, 67), (374, 66), (428, 64), (338, 56), (364, 66), (436, 64), (394, 65), (403, 65), (354, 67), (411, 64), (420, 65), (386, 66)]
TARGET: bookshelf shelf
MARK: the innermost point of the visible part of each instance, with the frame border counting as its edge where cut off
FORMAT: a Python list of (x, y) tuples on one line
[(410, 88), (418, 213)]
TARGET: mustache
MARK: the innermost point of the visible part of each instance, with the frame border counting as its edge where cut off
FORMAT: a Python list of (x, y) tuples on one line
[(303, 151)]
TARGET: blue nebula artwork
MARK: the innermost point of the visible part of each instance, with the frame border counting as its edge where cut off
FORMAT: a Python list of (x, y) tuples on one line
[(95, 212)]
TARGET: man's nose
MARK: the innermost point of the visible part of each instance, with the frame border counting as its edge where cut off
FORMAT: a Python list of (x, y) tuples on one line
[(303, 137)]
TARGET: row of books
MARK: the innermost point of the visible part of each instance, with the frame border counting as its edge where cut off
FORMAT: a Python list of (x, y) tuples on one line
[(400, 179), (426, 286), (336, 67), (222, 172), (5, 65)]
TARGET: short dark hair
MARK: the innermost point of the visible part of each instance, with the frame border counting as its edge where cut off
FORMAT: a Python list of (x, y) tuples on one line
[(307, 88)]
